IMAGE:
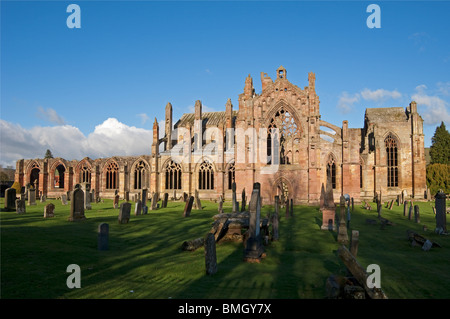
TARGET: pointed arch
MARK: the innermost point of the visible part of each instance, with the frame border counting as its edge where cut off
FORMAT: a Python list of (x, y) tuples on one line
[(111, 174), (206, 175), (173, 175), (140, 173), (391, 145), (230, 171), (83, 171), (331, 170)]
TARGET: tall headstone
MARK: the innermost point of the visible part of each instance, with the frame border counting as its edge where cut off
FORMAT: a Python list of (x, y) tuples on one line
[(188, 207), (441, 218), (405, 207), (210, 254), (165, 199), (329, 208), (31, 196), (154, 203), (103, 236), (244, 201), (49, 211), (144, 195), (86, 187), (410, 211), (198, 203), (254, 248), (10, 199), (220, 207), (342, 234), (138, 208), (64, 199), (354, 243), (77, 205), (416, 214), (235, 206), (124, 213), (20, 206), (275, 231)]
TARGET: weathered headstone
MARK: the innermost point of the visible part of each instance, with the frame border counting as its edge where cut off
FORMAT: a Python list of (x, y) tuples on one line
[(20, 206), (275, 231), (42, 198), (405, 207), (10, 199), (154, 203), (391, 204), (77, 205), (329, 208), (49, 211), (124, 213), (138, 208), (144, 195), (31, 197), (210, 254), (103, 236), (235, 206), (410, 211), (127, 196), (427, 245), (441, 218), (354, 243), (116, 201), (188, 207), (185, 197), (86, 187), (165, 199), (145, 210), (416, 214), (64, 199), (198, 203), (254, 248), (244, 201), (342, 234), (220, 207)]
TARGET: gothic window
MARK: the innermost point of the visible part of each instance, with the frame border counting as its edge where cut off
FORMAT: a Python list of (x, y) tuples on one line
[(140, 175), (289, 134), (173, 175), (59, 176), (112, 174), (206, 176), (85, 173), (331, 171), (392, 161), (231, 175)]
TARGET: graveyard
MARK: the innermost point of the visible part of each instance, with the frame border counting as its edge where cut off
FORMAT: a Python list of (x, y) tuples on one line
[(143, 257)]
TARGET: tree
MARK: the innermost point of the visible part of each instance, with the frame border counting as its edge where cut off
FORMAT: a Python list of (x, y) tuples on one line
[(438, 178), (440, 146), (48, 154)]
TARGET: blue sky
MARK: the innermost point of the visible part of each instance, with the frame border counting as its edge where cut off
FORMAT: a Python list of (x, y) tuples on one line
[(95, 91)]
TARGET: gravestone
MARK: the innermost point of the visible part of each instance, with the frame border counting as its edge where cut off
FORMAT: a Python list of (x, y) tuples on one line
[(391, 204), (166, 198), (441, 218), (144, 210), (86, 187), (188, 207), (68, 195), (428, 194), (138, 208), (77, 205), (127, 196), (93, 198), (235, 206), (379, 208), (64, 199), (354, 243), (116, 201), (154, 203), (198, 203), (124, 213), (49, 211), (244, 201), (31, 197), (144, 195), (342, 234), (103, 236), (220, 207), (329, 208), (405, 207), (185, 197), (254, 248), (410, 211), (43, 198), (210, 254), (20, 206), (416, 214), (275, 231), (10, 199), (352, 204)]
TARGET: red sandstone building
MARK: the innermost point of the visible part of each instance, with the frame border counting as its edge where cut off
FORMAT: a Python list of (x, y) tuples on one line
[(386, 155)]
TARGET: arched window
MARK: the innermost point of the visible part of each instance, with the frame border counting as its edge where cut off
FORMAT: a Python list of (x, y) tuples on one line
[(289, 134), (85, 173), (173, 175), (59, 176), (231, 175), (112, 174), (392, 161), (331, 171), (206, 176), (140, 175)]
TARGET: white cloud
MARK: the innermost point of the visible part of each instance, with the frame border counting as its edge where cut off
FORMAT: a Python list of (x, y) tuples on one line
[(144, 117), (380, 95), (346, 101), (444, 88), (434, 109), (50, 115), (108, 139)]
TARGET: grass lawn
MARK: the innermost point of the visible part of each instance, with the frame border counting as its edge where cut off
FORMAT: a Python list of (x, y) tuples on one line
[(145, 260)]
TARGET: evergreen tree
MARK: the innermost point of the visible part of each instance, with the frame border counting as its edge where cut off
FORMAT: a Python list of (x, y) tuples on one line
[(440, 146), (48, 154)]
